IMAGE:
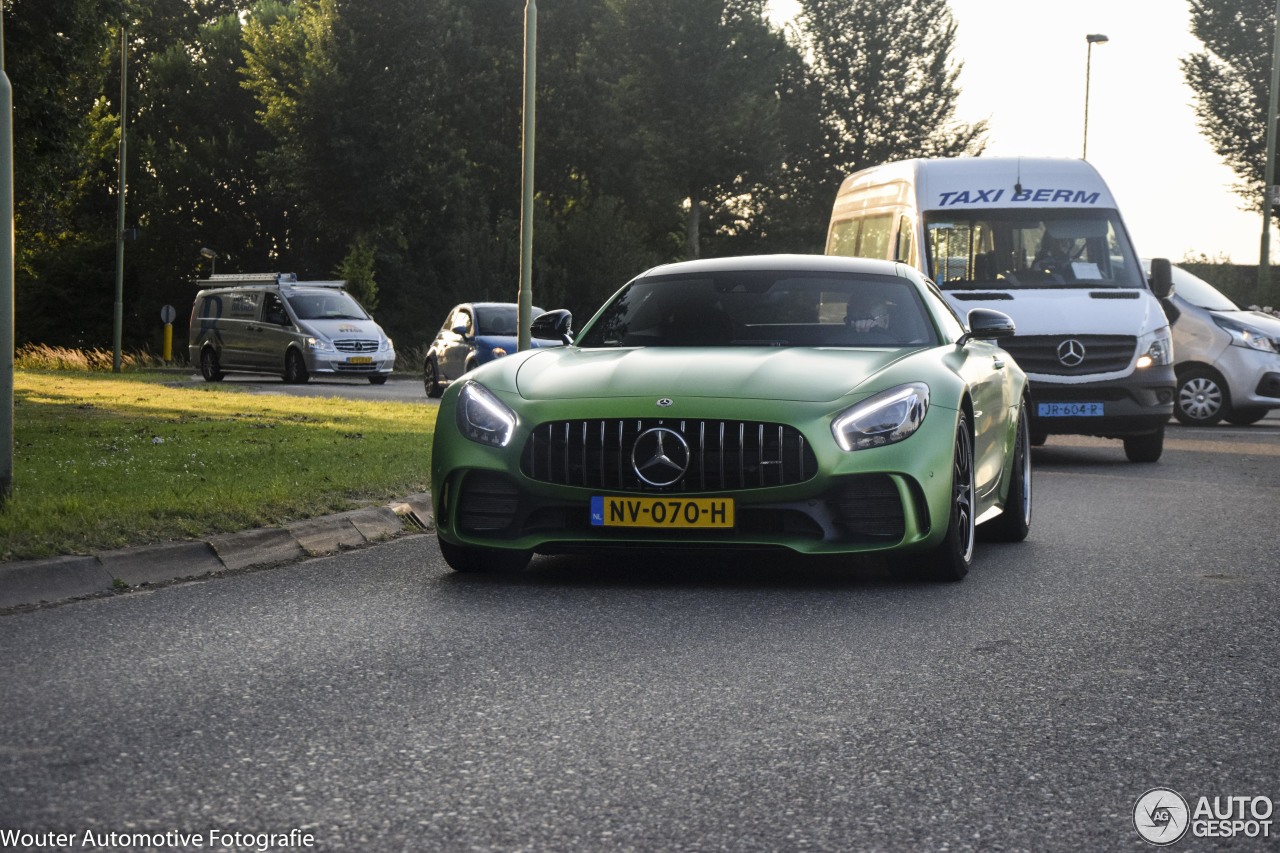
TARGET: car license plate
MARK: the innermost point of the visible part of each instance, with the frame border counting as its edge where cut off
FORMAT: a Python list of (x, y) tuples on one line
[(607, 511), (1071, 410), (360, 359)]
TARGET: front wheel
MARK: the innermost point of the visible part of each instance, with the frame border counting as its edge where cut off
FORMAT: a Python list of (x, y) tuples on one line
[(951, 560), (469, 560), (210, 369), (377, 380), (295, 369), (1202, 399), (431, 379), (1144, 448), (1014, 523)]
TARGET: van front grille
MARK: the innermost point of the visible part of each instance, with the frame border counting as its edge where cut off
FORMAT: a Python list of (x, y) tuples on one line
[(721, 455), (1044, 354), (354, 345)]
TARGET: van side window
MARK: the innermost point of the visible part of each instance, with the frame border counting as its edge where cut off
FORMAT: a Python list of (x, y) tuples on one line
[(244, 306), (906, 242), (862, 237), (273, 310)]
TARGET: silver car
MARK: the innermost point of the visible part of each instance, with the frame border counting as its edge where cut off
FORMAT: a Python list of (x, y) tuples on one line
[(1227, 359)]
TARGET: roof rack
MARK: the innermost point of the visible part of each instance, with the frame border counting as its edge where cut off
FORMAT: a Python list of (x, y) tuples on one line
[(262, 279)]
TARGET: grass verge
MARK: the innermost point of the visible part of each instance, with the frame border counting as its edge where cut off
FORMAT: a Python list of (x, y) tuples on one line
[(107, 461)]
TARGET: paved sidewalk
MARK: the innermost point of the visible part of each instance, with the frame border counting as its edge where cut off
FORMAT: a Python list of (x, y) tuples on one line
[(30, 583)]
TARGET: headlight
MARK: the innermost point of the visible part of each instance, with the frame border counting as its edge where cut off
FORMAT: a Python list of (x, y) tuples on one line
[(386, 345), (884, 418), (1246, 336), (483, 417), (319, 345), (1160, 352)]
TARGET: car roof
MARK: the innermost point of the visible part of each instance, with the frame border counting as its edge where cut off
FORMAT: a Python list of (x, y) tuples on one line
[(798, 263)]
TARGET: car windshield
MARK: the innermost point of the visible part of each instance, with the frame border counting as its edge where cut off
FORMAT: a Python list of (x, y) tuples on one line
[(330, 305), (1013, 249), (1199, 292), (500, 319), (764, 308)]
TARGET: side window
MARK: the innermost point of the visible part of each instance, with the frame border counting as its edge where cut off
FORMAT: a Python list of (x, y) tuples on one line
[(952, 326), (462, 317), (273, 310), (906, 249), (244, 306), (862, 237)]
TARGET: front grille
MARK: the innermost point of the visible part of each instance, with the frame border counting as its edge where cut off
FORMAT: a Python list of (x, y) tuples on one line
[(723, 455), (1102, 353), (355, 345)]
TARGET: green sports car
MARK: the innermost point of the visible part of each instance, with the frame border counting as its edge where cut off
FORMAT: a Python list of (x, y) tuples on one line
[(817, 405)]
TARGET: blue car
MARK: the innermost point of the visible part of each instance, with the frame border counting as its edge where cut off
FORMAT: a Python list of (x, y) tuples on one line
[(475, 333)]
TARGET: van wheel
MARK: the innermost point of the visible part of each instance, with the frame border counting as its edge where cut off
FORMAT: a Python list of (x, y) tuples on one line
[(1144, 448), (377, 380), (209, 367), (295, 369), (1202, 400)]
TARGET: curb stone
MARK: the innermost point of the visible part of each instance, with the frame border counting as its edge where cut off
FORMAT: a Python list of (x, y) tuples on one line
[(27, 584)]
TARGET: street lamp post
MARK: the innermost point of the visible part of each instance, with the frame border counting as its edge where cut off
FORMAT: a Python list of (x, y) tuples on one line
[(212, 257), (524, 306), (1092, 39)]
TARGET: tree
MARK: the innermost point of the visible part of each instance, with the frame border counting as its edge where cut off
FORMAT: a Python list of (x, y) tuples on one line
[(1231, 79), (888, 82)]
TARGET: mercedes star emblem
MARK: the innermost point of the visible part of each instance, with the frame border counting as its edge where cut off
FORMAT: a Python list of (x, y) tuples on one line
[(1071, 353), (660, 456)]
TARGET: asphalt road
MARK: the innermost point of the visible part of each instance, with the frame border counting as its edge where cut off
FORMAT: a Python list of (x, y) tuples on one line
[(404, 387), (379, 702)]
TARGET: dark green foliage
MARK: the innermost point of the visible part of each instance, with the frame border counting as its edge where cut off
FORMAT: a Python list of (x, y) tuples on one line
[(1231, 78), (380, 141)]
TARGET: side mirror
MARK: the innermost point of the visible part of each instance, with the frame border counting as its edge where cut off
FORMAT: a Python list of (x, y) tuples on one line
[(553, 325), (1161, 278), (988, 325), (460, 330)]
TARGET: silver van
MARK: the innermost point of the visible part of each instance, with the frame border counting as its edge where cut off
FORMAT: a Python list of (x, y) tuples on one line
[(273, 323), (1227, 358)]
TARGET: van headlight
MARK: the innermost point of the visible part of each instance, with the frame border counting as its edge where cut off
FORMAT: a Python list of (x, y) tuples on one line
[(1246, 336), (884, 418), (1160, 352), (483, 417), (385, 345), (319, 345)]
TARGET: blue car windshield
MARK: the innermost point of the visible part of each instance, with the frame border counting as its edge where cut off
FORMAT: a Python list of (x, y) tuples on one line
[(764, 308)]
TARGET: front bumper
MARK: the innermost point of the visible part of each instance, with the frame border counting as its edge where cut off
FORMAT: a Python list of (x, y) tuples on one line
[(381, 363), (1137, 405)]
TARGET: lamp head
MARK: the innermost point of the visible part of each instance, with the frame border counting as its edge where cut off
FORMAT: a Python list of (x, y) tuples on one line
[(1096, 38)]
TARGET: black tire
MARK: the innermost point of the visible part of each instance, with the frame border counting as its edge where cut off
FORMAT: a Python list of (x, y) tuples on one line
[(377, 380), (951, 560), (431, 379), (470, 560), (1144, 448), (1038, 439), (1244, 417), (1014, 523), (210, 368), (295, 369), (1202, 398)]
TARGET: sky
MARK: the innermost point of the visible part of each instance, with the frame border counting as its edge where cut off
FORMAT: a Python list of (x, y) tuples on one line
[(1024, 73)]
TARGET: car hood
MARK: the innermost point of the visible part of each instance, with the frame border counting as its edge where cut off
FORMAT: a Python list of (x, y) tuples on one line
[(744, 373), (1102, 311), (333, 329)]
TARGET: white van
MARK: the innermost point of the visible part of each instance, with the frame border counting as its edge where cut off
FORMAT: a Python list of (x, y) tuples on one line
[(1041, 240), (273, 323)]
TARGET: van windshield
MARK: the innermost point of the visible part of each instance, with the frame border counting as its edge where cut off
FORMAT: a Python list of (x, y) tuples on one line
[(1014, 249), (329, 305)]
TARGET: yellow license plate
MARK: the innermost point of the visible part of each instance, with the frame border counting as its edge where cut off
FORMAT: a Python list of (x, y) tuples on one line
[(360, 359), (702, 513)]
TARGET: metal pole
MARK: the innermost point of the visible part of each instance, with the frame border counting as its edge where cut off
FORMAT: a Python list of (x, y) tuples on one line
[(1269, 178), (526, 204), (6, 279), (1088, 63), (118, 325)]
